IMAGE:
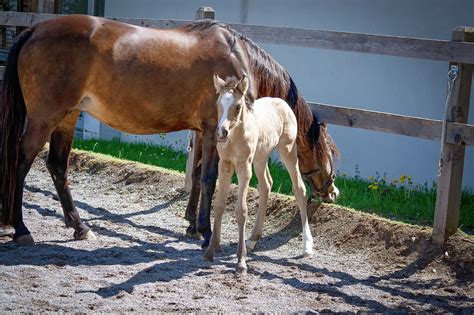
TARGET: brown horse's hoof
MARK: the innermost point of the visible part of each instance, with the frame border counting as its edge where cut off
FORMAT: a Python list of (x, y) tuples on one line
[(89, 235), (24, 240), (193, 233)]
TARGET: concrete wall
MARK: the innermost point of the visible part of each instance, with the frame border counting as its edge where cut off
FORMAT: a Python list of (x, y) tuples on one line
[(391, 84)]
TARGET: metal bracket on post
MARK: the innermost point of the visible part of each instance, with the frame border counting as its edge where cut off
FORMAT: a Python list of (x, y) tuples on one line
[(205, 13)]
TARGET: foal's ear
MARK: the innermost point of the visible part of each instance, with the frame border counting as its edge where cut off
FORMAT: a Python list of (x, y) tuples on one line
[(243, 84), (218, 83)]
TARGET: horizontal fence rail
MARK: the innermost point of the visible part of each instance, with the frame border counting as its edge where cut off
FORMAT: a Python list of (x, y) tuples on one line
[(457, 133), (430, 129), (441, 50), (27, 19)]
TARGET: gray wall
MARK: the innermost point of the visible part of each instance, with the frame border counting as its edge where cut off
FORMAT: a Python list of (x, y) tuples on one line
[(391, 84)]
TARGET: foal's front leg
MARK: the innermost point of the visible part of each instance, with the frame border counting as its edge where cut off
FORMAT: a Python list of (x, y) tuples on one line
[(289, 157), (244, 173), (226, 169)]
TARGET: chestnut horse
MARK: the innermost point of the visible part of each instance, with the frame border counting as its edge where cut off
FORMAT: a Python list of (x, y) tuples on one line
[(136, 80), (246, 135)]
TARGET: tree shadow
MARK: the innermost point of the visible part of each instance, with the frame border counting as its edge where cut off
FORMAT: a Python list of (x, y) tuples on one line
[(177, 263), (437, 302)]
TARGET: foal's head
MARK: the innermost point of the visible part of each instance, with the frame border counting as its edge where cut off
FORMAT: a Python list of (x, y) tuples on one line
[(230, 103)]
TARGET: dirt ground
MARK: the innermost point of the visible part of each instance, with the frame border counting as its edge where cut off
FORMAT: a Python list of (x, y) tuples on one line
[(141, 259)]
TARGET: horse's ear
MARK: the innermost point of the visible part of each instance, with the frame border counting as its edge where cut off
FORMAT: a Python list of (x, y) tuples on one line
[(218, 83), (243, 84)]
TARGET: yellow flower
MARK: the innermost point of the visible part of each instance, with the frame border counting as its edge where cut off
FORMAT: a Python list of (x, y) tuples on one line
[(395, 182), (374, 186), (371, 178), (403, 178)]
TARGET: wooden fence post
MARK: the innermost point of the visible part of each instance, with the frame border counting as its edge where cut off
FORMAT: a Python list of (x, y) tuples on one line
[(201, 13), (41, 5), (90, 7), (448, 198)]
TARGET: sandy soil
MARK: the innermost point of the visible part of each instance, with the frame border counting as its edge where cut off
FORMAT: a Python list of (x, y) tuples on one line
[(142, 260)]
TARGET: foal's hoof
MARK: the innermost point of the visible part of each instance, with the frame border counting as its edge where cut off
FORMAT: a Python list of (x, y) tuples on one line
[(308, 253), (89, 235), (208, 256), (24, 240), (193, 233), (250, 245), (241, 270)]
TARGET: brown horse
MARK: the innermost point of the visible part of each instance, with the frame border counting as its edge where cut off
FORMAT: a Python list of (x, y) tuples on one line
[(136, 80)]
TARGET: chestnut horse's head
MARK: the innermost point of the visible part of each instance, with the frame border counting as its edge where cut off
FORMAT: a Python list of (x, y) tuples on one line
[(230, 103), (316, 162)]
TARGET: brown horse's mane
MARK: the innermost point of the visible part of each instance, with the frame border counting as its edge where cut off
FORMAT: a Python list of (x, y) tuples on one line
[(271, 79)]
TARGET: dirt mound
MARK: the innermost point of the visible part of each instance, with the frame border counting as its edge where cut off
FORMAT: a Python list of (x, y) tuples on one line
[(390, 243), (387, 243)]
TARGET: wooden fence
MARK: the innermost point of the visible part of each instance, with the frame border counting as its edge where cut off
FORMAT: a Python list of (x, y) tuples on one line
[(458, 51)]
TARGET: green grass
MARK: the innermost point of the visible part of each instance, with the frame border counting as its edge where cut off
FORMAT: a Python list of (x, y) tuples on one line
[(398, 199), (145, 153)]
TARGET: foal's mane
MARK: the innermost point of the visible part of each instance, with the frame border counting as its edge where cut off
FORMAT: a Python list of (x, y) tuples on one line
[(271, 79)]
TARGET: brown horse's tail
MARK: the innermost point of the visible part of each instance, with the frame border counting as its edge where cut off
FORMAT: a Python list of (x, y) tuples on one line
[(12, 118)]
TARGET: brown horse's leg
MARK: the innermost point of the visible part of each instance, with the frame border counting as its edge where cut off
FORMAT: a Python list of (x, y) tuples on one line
[(31, 143), (210, 160), (193, 201), (57, 163)]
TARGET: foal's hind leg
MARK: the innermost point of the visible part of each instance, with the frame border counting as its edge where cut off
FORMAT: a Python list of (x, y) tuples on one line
[(264, 185), (57, 163), (289, 157)]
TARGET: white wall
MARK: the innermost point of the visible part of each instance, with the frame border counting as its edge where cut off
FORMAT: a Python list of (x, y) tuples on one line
[(391, 84)]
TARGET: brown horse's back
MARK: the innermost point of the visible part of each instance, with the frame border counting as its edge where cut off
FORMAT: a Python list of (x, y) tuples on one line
[(135, 79)]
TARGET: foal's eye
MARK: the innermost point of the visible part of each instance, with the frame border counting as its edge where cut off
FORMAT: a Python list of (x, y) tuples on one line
[(238, 107)]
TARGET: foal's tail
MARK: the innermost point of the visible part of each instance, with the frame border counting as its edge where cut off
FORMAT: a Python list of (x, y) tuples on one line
[(12, 119)]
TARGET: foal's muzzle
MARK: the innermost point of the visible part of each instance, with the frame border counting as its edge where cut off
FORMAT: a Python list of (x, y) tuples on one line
[(222, 134)]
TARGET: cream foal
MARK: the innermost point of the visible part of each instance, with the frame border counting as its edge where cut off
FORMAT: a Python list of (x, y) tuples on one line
[(246, 134)]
